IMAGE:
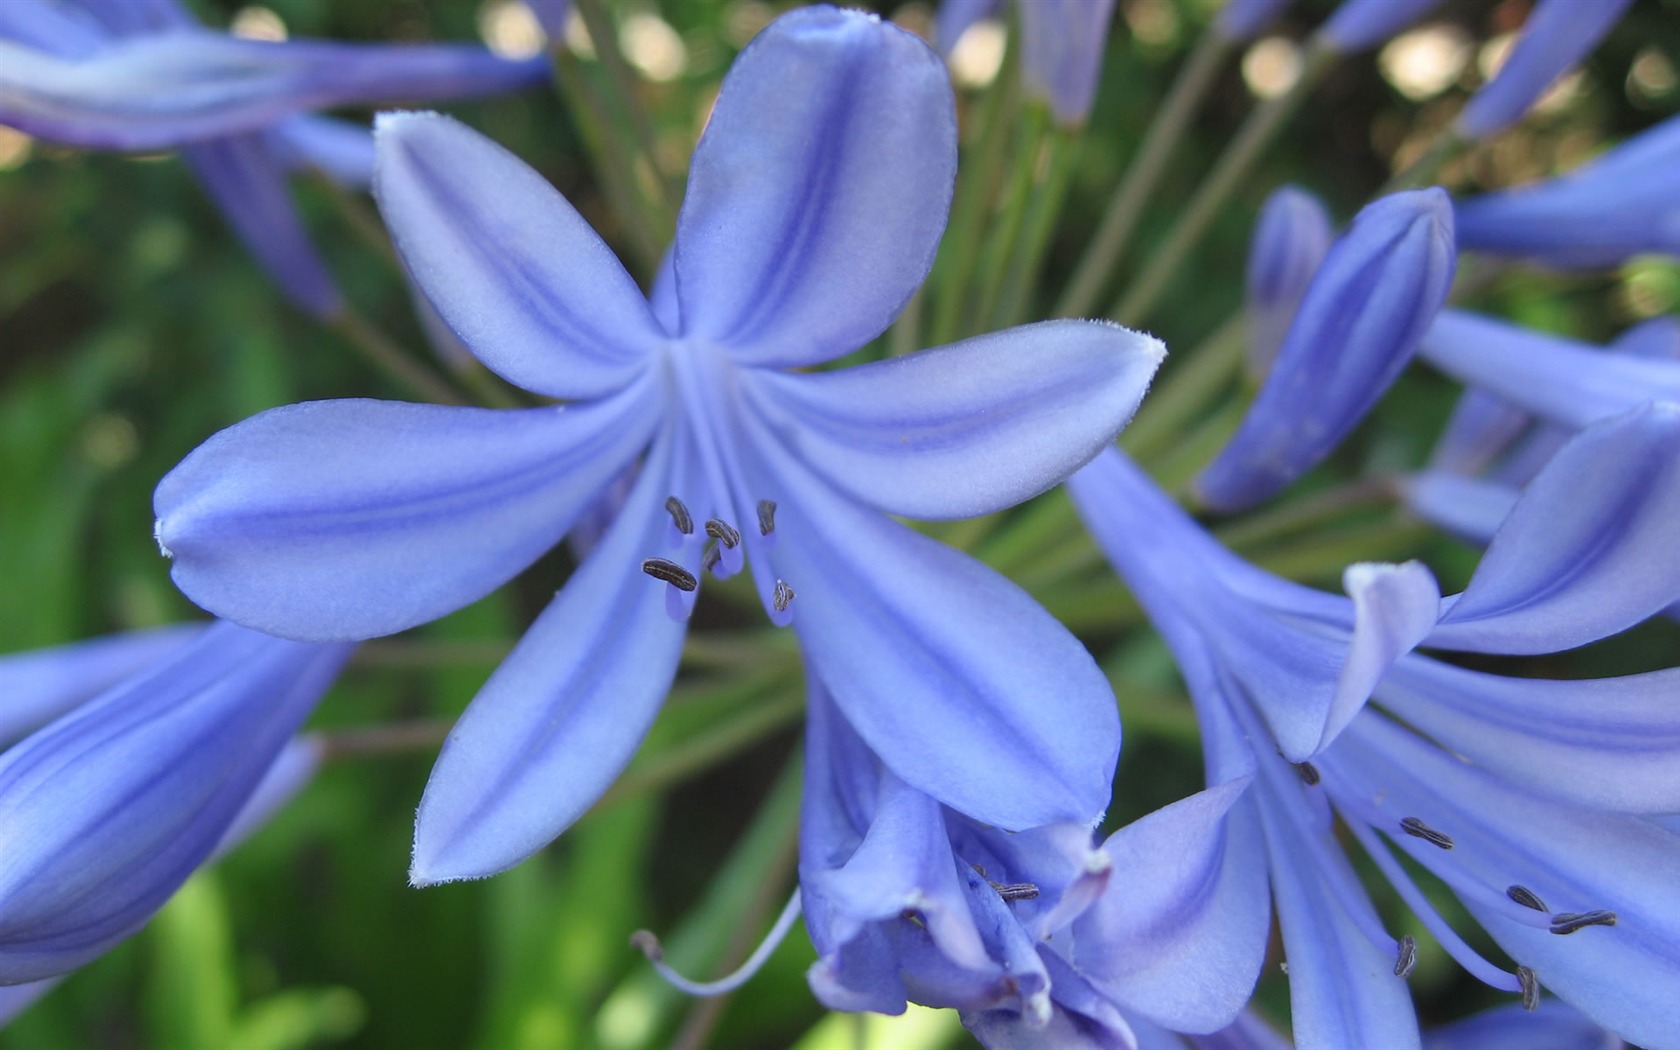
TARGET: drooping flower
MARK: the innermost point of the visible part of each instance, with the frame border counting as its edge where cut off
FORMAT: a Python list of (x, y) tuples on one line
[(1613, 207), (1062, 45), (816, 199), (1359, 321), (1529, 799), (108, 809), (1039, 937), (143, 75), (1555, 37)]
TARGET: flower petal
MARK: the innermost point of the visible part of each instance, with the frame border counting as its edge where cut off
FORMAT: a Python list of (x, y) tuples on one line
[(1359, 24), (1181, 932), (1062, 46), (1589, 548), (249, 188), (1470, 508), (564, 713), (43, 684), (527, 285), (1613, 743), (340, 148), (1552, 1025), (107, 811), (1395, 607), (1291, 238), (1555, 37), (963, 685), (819, 191), (964, 429), (351, 519)]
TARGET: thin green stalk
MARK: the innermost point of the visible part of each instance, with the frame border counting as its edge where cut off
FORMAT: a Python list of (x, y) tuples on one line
[(384, 354), (905, 335), (1191, 384), (1004, 228), (396, 738), (1228, 172), (425, 654), (1423, 170), (1321, 557), (363, 221), (705, 750), (615, 168), (661, 190), (1307, 512), (978, 178), (1174, 470), (1166, 131), (1020, 285), (1041, 524)]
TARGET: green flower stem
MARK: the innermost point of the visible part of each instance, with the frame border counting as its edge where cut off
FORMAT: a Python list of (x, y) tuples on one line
[(1060, 155), (1276, 522), (648, 230), (1228, 172), (1174, 469), (1003, 233), (698, 753), (395, 738), (383, 353), (1192, 384), (1422, 171), (425, 654), (363, 221), (1033, 528), (1321, 557), (1160, 142), (978, 176), (905, 335), (626, 102)]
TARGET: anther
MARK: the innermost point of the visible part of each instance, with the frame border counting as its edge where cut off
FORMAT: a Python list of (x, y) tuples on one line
[(671, 573), (709, 560), (1406, 961), (679, 515), (766, 517), (781, 596), (1526, 897), (1417, 828), (1016, 891), (723, 532), (1309, 773), (1566, 922), (1530, 988)]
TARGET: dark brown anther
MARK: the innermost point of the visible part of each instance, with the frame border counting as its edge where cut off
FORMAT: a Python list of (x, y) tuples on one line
[(710, 559), (1567, 922), (1530, 988), (781, 596), (1406, 960), (766, 517), (1309, 773), (680, 517), (723, 532), (671, 573), (1526, 897), (1016, 891), (1418, 829)]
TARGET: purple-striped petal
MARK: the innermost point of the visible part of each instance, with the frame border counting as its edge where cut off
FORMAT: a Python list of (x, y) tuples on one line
[(351, 519), (1291, 238), (968, 690), (1556, 36), (1587, 551), (965, 429), (818, 193), (41, 685), (527, 285), (564, 713)]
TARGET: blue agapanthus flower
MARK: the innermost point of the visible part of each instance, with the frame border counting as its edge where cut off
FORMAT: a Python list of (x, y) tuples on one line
[(144, 75), (1062, 46), (107, 809), (1291, 238), (1555, 37), (1531, 800), (816, 199)]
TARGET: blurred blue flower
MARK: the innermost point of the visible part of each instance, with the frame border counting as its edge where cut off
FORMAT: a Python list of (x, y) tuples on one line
[(1360, 24), (1625, 202), (1359, 321), (816, 199), (105, 811), (1062, 46), (143, 75), (1291, 238), (1528, 798), (1555, 37)]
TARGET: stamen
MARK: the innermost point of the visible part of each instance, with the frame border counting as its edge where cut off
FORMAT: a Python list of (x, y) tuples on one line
[(1567, 922), (723, 532), (680, 517), (1309, 773), (1415, 827), (709, 560), (1406, 961), (671, 573), (766, 517), (1526, 897), (1016, 891), (1530, 988), (781, 596), (649, 946)]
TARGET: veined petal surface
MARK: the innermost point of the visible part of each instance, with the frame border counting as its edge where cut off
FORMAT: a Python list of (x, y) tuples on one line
[(529, 287), (817, 196), (964, 429), (965, 688), (336, 520), (1589, 548), (563, 714), (40, 685)]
